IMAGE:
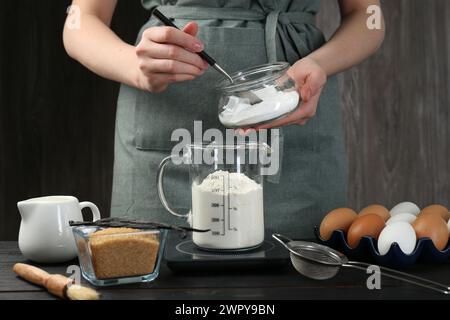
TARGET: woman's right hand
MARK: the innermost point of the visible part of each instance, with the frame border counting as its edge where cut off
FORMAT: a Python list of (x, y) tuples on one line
[(167, 55)]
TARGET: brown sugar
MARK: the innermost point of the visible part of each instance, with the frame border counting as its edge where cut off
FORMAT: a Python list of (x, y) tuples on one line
[(123, 252)]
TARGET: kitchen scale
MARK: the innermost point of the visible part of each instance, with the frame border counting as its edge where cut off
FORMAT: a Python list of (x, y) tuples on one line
[(227, 205), (182, 254)]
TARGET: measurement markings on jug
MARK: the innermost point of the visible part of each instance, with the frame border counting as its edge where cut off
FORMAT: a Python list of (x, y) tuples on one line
[(224, 200)]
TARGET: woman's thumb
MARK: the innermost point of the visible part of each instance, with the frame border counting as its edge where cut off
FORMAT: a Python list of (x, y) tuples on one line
[(314, 81), (191, 28)]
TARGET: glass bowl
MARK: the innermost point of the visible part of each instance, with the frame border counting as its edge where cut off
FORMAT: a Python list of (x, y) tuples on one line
[(257, 95), (120, 257)]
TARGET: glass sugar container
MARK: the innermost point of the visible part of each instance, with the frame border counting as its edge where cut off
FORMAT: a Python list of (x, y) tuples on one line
[(114, 256), (257, 96)]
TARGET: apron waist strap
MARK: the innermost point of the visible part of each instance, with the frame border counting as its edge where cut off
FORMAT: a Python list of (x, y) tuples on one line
[(271, 19)]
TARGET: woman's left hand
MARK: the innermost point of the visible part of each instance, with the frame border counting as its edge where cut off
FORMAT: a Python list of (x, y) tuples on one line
[(310, 78)]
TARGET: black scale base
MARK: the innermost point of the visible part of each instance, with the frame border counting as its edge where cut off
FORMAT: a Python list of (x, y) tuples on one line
[(182, 255)]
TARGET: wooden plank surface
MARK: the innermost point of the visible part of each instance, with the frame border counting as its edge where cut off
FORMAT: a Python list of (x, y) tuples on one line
[(281, 285), (396, 107)]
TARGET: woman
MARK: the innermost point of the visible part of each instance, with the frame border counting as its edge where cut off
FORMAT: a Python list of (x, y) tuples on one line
[(167, 86)]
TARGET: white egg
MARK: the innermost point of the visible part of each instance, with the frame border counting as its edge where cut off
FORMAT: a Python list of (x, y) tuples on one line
[(405, 207), (406, 217), (401, 233), (448, 224)]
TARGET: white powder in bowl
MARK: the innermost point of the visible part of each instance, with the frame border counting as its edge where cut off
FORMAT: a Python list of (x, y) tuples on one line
[(231, 205), (238, 112)]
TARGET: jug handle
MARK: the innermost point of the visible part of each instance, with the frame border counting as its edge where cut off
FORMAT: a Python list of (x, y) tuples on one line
[(161, 194), (95, 212)]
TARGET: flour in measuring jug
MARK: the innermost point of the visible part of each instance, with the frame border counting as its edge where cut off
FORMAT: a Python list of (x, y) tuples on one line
[(231, 206)]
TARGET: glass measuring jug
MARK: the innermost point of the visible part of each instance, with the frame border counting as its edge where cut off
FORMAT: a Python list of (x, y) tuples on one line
[(226, 183)]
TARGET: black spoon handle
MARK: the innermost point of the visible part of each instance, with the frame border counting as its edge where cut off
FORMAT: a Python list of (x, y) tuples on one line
[(166, 21)]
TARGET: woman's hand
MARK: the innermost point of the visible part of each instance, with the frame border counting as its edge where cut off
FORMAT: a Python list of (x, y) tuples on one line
[(310, 78), (167, 55)]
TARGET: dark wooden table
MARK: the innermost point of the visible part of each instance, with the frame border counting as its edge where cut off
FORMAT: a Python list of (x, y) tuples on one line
[(280, 285)]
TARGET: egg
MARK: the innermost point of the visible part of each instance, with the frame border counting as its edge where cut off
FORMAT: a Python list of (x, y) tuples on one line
[(339, 219), (436, 209), (433, 227), (399, 232), (405, 207), (369, 225), (378, 210), (405, 217), (448, 224)]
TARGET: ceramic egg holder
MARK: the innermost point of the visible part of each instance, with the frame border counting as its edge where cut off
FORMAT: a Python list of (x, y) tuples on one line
[(367, 251)]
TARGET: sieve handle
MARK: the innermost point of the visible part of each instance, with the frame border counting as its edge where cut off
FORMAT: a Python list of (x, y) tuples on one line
[(402, 276), (283, 240)]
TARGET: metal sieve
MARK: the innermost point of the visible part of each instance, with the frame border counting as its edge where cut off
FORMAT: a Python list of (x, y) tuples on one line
[(319, 262)]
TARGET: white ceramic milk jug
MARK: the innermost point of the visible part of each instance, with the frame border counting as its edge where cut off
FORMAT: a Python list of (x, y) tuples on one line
[(45, 235)]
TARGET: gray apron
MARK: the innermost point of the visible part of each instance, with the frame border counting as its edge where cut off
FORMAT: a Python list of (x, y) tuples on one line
[(239, 34)]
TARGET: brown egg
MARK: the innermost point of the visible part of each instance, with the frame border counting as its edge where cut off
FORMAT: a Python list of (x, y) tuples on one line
[(434, 227), (369, 225), (339, 219), (436, 209), (377, 209)]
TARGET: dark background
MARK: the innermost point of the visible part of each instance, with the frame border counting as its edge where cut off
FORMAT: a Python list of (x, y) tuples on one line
[(57, 119)]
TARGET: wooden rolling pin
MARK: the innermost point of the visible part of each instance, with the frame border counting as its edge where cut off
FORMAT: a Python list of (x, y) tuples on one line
[(56, 284)]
